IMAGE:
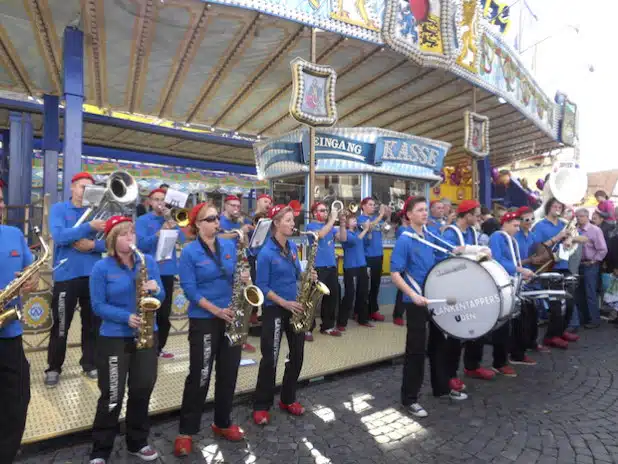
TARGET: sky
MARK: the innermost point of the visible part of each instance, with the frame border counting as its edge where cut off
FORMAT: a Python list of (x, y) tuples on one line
[(574, 54)]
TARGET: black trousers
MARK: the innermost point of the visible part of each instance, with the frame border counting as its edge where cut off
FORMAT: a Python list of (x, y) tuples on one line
[(355, 281), (207, 345), (375, 271), (444, 354), (117, 358), (276, 320), (524, 331), (559, 322), (14, 396), (330, 303), (414, 358), (163, 313), (499, 339), (65, 297)]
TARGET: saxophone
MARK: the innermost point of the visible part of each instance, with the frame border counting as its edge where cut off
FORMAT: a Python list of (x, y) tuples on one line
[(244, 297), (311, 293), (146, 305), (11, 291)]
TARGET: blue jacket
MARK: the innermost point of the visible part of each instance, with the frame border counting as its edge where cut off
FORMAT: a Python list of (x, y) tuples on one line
[(469, 236), (15, 256), (325, 256), (146, 228), (201, 276), (545, 231), (373, 238), (434, 225), (113, 294), (353, 251), (62, 217), (278, 272), (501, 251)]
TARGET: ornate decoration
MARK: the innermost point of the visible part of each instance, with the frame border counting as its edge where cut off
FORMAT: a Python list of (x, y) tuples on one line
[(313, 93), (37, 311), (468, 27), (362, 13), (180, 304), (477, 134)]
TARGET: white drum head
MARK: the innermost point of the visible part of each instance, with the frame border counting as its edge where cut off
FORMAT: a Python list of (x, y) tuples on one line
[(478, 298)]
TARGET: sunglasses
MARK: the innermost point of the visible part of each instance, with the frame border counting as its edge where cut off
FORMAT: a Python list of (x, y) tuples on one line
[(526, 220), (210, 219)]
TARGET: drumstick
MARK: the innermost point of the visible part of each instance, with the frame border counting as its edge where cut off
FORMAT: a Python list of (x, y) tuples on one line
[(450, 301)]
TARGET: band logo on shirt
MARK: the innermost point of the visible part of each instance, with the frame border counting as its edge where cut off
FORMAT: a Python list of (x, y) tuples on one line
[(113, 382)]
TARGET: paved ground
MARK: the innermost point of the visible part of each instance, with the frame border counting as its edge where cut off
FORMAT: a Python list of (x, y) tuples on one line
[(565, 410)]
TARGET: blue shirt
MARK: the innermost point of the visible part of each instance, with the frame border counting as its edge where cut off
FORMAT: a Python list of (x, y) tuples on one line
[(525, 243), (202, 277), (401, 229), (434, 225), (113, 294), (15, 256), (501, 251), (450, 236), (62, 217), (277, 272), (353, 250), (325, 257), (146, 228), (545, 231), (225, 224), (373, 238), (413, 258)]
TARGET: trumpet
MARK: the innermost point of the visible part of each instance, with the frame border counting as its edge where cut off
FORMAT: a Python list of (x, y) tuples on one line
[(353, 207)]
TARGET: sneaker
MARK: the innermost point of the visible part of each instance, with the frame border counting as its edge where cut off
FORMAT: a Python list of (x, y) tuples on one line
[(417, 410), (91, 374), (570, 337), (366, 324), (376, 317), (506, 371), (261, 417), (308, 337), (97, 461), (51, 379), (232, 433), (399, 321), (480, 373), (542, 349), (146, 454), (341, 328), (332, 332), (556, 342), (296, 409), (247, 348), (166, 355), (526, 361), (457, 395), (456, 384), (183, 445)]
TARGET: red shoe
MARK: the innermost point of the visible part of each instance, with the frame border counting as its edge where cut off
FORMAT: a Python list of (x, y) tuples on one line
[(456, 384), (556, 342), (506, 371), (376, 317), (527, 361), (247, 348), (367, 324), (480, 373), (232, 433), (332, 332), (183, 445), (308, 337), (295, 408), (261, 417), (570, 337), (398, 321), (341, 328)]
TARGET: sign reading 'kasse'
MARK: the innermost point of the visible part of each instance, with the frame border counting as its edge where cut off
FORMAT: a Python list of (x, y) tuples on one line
[(417, 152)]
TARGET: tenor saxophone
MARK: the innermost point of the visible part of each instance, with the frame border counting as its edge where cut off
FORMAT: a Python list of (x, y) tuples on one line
[(244, 297), (146, 305), (11, 291), (311, 293)]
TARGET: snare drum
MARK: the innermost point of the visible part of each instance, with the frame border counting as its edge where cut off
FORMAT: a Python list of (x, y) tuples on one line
[(484, 291), (552, 287)]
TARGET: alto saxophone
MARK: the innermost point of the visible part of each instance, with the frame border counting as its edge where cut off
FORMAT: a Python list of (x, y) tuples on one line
[(311, 293), (11, 291), (244, 297), (146, 305)]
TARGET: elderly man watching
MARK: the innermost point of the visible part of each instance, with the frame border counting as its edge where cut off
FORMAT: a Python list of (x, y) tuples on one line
[(593, 253)]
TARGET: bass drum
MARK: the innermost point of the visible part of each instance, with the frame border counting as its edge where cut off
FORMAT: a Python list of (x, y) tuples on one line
[(484, 292)]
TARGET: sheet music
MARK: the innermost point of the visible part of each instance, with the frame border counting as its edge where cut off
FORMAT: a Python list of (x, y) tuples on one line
[(175, 198), (166, 244), (260, 234)]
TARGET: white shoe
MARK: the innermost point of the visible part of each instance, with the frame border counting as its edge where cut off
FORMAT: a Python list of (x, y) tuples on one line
[(146, 454), (457, 395), (417, 410), (97, 461)]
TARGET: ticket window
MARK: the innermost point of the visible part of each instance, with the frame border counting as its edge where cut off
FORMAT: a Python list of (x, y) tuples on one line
[(345, 188)]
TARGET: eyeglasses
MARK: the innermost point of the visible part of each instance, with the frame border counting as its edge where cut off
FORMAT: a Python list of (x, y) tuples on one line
[(210, 219)]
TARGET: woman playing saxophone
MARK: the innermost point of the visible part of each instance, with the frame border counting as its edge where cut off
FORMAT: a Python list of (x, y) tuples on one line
[(278, 272), (207, 268), (115, 300)]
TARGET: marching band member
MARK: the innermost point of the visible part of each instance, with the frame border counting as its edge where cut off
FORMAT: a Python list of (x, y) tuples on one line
[(436, 221), (79, 247), (148, 228), (326, 265), (411, 261), (374, 251), (278, 271), (399, 309), (462, 233), (207, 268), (14, 367), (354, 268), (113, 292), (551, 231)]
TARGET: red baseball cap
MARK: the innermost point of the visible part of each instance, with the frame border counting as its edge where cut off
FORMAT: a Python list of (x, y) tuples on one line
[(231, 198), (264, 195), (82, 175), (510, 216), (467, 205), (523, 210), (157, 190), (113, 222)]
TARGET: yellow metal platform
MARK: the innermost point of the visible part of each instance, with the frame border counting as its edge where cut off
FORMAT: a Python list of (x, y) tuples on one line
[(70, 407)]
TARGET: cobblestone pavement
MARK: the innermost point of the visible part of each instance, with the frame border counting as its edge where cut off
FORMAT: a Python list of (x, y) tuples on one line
[(564, 410)]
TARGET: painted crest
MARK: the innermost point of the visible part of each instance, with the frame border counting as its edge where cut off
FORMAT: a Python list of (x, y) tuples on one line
[(37, 312), (313, 93), (180, 304), (477, 134)]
